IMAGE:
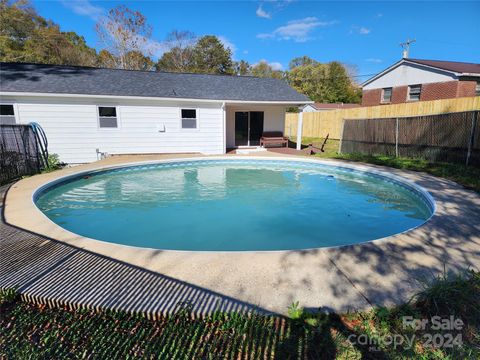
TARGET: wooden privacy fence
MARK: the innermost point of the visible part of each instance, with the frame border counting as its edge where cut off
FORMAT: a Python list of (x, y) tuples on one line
[(453, 137), (319, 124)]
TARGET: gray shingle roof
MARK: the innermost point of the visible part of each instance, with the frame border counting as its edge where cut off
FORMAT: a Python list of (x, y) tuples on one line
[(36, 78)]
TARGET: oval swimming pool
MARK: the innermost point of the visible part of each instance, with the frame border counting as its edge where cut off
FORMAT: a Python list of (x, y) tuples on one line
[(234, 205)]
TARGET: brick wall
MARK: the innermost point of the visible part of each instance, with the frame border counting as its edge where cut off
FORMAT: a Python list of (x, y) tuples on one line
[(436, 91), (371, 97), (399, 94), (466, 88), (432, 91)]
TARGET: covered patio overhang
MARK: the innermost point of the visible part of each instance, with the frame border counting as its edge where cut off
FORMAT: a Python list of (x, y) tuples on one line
[(245, 122)]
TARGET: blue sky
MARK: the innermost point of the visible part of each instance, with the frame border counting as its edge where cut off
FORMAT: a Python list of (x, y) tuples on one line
[(364, 34)]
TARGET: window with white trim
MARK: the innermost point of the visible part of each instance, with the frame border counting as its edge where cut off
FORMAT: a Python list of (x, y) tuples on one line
[(477, 89), (189, 118), (107, 117), (414, 92), (386, 95), (7, 114)]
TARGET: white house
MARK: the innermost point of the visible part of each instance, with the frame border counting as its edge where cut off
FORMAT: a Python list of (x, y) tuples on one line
[(88, 111)]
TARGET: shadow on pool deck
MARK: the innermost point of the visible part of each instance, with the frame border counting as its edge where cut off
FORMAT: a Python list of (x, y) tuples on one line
[(51, 272), (46, 271), (391, 272), (382, 272)]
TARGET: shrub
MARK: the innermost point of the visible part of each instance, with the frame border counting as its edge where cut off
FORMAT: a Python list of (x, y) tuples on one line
[(53, 163), (451, 294)]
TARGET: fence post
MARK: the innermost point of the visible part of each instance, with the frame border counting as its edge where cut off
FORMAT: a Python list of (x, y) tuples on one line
[(472, 134), (341, 136), (396, 137)]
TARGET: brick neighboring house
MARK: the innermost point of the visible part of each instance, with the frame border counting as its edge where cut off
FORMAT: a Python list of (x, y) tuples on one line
[(411, 80)]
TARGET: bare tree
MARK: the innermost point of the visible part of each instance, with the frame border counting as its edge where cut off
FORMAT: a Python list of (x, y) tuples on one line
[(122, 32), (179, 57)]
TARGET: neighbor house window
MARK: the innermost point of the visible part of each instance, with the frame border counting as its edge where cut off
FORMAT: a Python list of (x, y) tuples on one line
[(107, 117), (189, 119), (7, 114), (477, 89), (386, 95), (414, 92)]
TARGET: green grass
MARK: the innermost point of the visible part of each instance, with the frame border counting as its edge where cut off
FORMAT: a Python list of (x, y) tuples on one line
[(467, 176), (38, 332)]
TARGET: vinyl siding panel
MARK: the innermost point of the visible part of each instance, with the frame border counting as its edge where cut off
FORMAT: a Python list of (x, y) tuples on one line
[(73, 133), (409, 74)]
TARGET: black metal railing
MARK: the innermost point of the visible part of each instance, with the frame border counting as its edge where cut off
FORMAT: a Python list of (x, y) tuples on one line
[(22, 152)]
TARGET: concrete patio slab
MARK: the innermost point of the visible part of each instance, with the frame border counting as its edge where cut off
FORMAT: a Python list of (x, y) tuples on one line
[(50, 264)]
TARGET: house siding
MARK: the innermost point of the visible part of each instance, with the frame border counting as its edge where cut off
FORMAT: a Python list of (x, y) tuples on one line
[(430, 91), (71, 126), (409, 74)]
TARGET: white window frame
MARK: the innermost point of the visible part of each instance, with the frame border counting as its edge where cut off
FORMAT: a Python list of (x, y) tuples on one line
[(419, 94), (382, 100), (477, 88), (15, 110), (117, 111), (197, 118)]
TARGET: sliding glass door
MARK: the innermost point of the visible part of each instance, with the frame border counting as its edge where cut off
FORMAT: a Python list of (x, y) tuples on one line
[(248, 128)]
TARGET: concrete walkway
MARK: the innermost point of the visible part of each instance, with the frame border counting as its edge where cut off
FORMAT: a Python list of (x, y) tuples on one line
[(51, 265)]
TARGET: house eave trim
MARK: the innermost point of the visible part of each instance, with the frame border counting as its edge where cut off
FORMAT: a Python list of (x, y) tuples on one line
[(88, 96)]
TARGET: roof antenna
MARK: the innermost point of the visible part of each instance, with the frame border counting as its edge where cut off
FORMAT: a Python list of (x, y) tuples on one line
[(174, 92), (406, 47)]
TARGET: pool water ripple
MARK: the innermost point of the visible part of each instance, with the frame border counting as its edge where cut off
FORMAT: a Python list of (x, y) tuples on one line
[(234, 205)]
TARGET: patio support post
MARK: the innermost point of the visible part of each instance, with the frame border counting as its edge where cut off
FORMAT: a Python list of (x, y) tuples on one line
[(299, 130), (224, 124)]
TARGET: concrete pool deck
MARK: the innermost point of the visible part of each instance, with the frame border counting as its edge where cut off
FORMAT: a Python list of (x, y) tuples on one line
[(51, 265)]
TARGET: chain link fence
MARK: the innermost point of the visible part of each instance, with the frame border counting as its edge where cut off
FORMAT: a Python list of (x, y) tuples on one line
[(452, 137), (19, 152)]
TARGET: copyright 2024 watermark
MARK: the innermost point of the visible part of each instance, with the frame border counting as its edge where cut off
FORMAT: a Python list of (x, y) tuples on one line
[(435, 332)]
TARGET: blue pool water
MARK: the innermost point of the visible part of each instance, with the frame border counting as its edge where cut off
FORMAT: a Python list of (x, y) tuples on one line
[(233, 205)]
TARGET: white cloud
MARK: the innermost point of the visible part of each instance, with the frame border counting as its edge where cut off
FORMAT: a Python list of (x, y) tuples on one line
[(296, 30), (374, 60), (84, 8), (379, 15), (265, 36), (274, 65), (155, 48), (364, 31), (262, 13), (360, 30), (280, 4), (228, 44)]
